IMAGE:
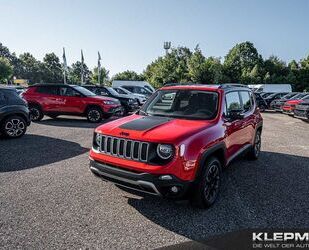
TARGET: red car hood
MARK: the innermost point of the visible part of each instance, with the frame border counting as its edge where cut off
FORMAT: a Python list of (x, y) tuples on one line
[(153, 128)]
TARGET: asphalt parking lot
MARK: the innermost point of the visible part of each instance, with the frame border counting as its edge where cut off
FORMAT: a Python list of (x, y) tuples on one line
[(49, 198)]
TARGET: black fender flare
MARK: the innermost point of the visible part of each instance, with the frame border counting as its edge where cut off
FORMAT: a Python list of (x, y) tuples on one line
[(208, 152)]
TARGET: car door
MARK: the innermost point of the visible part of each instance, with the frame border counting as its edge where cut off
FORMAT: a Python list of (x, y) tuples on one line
[(235, 138), (72, 100), (248, 121), (49, 98)]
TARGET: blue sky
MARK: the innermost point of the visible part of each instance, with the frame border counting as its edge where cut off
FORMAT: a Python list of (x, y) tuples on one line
[(130, 33)]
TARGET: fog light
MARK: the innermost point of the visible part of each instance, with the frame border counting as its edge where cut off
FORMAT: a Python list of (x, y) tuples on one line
[(174, 189), (165, 177)]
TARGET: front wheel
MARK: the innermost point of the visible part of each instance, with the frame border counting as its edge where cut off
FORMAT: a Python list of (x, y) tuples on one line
[(14, 127), (94, 115), (254, 152), (36, 113), (207, 188)]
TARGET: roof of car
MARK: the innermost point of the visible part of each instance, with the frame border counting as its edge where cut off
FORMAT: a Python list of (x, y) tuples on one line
[(226, 86), (52, 84)]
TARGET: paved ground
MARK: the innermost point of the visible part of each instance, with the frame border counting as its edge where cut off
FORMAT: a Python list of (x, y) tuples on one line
[(49, 199)]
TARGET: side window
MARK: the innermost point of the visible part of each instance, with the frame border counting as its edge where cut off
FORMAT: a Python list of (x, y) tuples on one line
[(246, 100), (129, 88), (49, 90), (232, 101), (102, 91), (67, 91), (2, 99)]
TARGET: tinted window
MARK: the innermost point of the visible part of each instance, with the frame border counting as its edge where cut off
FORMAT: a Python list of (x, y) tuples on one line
[(49, 90), (246, 100), (2, 98), (232, 101), (120, 91), (67, 91), (128, 88), (101, 91)]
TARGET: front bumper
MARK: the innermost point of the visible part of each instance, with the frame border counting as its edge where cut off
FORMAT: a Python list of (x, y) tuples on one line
[(159, 185)]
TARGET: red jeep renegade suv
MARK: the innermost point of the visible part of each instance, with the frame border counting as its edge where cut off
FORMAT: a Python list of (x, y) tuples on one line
[(63, 99), (179, 141)]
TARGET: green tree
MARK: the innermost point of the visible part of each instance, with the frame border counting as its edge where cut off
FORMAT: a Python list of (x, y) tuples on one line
[(52, 71), (74, 73), (104, 75), (171, 68), (6, 69), (32, 69), (129, 75), (240, 60)]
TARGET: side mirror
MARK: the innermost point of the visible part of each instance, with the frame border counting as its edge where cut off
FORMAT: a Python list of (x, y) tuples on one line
[(77, 95), (235, 115)]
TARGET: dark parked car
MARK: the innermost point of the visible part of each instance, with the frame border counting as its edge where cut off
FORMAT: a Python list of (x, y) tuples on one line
[(274, 96), (302, 111), (266, 94), (260, 101), (128, 104), (14, 113), (278, 104)]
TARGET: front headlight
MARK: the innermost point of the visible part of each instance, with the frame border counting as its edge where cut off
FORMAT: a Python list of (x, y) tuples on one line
[(97, 140), (165, 151)]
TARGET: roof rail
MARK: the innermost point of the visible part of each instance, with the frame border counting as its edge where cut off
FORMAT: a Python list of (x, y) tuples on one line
[(229, 85)]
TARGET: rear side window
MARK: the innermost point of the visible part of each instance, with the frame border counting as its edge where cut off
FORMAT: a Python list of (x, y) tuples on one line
[(49, 90), (232, 101), (2, 98), (247, 101)]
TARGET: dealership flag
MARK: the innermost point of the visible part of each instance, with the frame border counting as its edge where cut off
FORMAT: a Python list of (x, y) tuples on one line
[(82, 67), (65, 67), (99, 67)]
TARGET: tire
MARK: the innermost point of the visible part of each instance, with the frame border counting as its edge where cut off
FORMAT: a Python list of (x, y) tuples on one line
[(36, 113), (14, 127), (255, 150), (206, 190), (53, 116), (94, 114)]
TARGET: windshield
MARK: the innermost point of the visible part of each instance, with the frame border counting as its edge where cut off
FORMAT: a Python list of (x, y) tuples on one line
[(185, 104), (84, 91), (112, 91), (121, 91)]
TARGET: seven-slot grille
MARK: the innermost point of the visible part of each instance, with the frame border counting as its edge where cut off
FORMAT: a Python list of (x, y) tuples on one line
[(124, 148)]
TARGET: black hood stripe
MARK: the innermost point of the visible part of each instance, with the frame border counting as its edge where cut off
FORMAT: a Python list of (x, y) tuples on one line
[(145, 123)]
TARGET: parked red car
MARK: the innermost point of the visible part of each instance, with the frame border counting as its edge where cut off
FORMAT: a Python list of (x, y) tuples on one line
[(289, 106), (180, 140), (62, 99)]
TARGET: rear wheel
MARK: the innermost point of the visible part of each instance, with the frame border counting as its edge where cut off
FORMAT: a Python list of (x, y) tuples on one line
[(254, 152), (14, 127), (36, 113), (94, 114), (207, 189)]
